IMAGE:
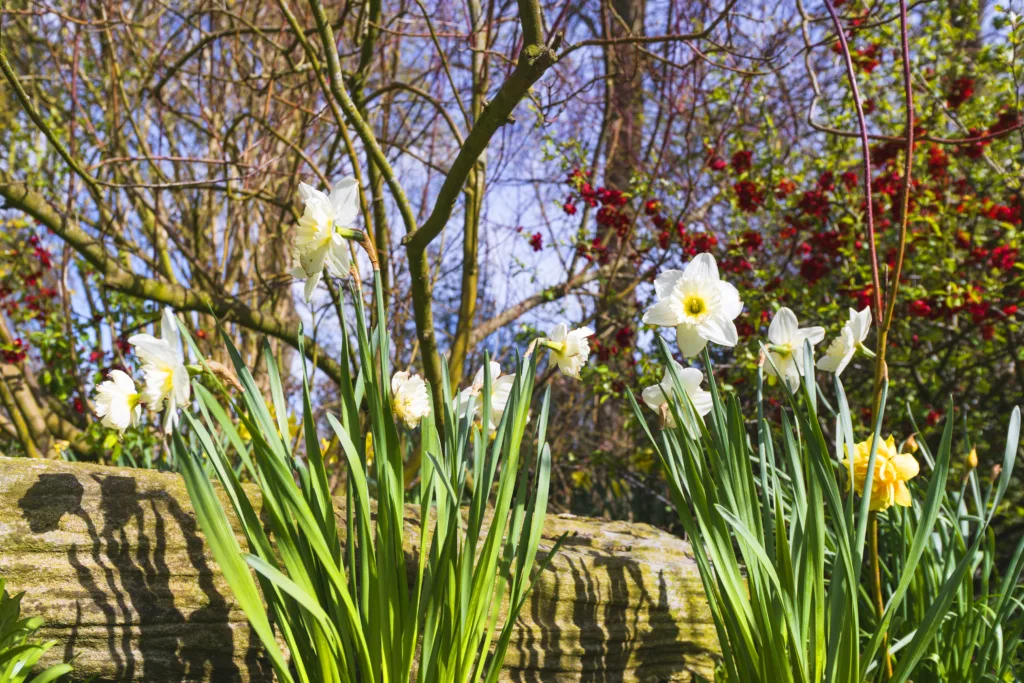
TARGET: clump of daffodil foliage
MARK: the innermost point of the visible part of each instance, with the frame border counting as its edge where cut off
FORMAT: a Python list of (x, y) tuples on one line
[(787, 526), (334, 597)]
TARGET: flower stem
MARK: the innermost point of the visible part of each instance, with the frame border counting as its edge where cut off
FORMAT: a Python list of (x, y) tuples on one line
[(876, 580)]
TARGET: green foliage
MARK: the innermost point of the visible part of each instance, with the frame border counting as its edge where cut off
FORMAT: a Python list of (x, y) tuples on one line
[(979, 638), (19, 651), (782, 207), (63, 352), (780, 545), (340, 597)]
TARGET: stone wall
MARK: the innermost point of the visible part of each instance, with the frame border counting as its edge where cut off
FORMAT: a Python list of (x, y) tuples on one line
[(114, 561)]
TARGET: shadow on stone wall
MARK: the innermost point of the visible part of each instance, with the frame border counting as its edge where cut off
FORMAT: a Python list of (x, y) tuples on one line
[(114, 561), (124, 571), (619, 629)]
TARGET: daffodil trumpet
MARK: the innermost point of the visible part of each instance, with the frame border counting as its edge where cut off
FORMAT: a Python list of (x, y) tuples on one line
[(557, 347)]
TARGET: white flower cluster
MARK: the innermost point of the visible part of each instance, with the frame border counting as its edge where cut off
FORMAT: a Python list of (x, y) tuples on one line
[(166, 384), (702, 308), (569, 351), (320, 245)]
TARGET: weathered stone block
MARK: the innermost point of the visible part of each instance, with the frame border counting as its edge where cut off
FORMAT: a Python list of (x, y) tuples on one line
[(114, 561)]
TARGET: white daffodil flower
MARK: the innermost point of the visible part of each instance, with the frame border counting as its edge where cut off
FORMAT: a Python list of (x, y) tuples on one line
[(656, 397), (409, 399), (700, 306), (117, 402), (569, 349), (786, 346), (850, 340), (318, 242), (839, 353), (163, 367), (501, 388)]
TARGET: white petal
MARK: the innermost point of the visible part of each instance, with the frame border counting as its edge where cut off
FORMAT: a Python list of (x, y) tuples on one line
[(311, 283), (829, 362), (665, 282), (839, 352), (719, 329), (654, 397), (501, 390), (702, 402), (463, 401), (729, 300), (153, 350), (345, 202), (860, 324), (313, 197), (666, 379), (169, 330), (689, 340), (783, 327), (569, 365), (494, 369), (122, 381), (156, 388), (702, 267), (306, 192), (182, 386), (495, 373), (313, 261), (691, 378), (171, 418), (814, 334), (119, 416), (792, 377), (844, 361), (666, 313), (339, 260), (397, 380), (559, 333), (310, 230)]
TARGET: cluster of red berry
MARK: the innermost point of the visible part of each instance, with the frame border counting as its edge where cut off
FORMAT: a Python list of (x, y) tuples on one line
[(15, 352), (624, 339), (961, 91)]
